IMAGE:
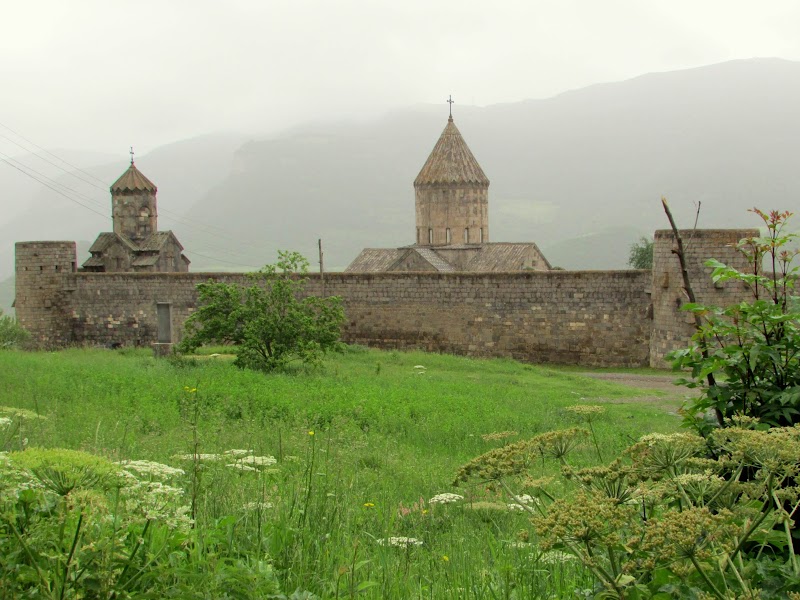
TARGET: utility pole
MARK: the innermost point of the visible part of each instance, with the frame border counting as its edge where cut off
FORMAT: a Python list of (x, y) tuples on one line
[(321, 267)]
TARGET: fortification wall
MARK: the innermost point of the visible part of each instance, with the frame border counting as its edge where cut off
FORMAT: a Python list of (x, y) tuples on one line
[(42, 293), (599, 318), (591, 318), (672, 327)]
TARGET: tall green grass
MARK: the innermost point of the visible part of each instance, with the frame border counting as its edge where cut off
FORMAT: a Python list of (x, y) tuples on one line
[(361, 445)]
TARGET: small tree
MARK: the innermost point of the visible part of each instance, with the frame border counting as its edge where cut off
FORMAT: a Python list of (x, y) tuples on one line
[(12, 335), (641, 254), (270, 322), (751, 350)]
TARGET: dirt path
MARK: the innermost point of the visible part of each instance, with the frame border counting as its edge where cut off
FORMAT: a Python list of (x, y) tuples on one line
[(664, 383), (671, 396)]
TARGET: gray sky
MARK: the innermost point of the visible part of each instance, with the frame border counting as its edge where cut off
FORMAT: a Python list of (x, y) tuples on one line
[(105, 74)]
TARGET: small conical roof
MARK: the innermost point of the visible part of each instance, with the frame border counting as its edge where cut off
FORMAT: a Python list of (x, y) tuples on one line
[(132, 180), (451, 161)]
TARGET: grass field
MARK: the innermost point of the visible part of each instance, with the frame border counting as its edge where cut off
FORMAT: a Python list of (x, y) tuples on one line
[(360, 446)]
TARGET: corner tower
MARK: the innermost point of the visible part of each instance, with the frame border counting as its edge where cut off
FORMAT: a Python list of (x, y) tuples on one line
[(133, 205), (451, 194)]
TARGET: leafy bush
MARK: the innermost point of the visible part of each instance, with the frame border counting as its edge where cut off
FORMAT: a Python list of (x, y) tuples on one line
[(75, 525), (641, 254), (663, 520), (751, 349), (11, 334), (271, 324)]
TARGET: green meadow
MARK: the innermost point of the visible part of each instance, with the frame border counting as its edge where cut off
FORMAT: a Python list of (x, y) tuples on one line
[(360, 447)]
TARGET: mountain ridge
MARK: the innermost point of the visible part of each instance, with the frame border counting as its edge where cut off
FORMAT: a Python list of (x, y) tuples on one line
[(586, 160)]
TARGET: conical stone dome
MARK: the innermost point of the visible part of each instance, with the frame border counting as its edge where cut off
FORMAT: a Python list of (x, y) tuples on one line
[(132, 180), (451, 162), (451, 195)]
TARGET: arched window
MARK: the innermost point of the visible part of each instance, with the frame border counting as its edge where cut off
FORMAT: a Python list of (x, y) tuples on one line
[(481, 234), (144, 221), (430, 236), (447, 235), (466, 235)]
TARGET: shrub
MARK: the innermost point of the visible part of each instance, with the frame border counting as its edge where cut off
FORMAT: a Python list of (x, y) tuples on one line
[(641, 254), (751, 349), (75, 525), (663, 520), (12, 335), (270, 322)]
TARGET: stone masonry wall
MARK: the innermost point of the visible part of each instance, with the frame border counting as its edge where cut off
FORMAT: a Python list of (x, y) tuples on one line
[(599, 318), (673, 327), (439, 207), (42, 292), (590, 318)]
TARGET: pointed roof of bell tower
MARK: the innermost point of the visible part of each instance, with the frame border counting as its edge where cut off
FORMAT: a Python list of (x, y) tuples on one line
[(133, 180), (451, 161)]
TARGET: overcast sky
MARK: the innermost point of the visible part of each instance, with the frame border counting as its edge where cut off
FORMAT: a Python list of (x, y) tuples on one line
[(105, 74)]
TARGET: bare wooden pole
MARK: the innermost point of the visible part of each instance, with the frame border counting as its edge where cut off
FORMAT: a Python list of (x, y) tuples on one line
[(687, 287), (321, 267)]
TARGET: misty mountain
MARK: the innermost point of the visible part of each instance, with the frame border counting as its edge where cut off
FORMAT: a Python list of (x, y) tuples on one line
[(183, 171), (7, 295), (607, 249), (580, 173), (586, 161)]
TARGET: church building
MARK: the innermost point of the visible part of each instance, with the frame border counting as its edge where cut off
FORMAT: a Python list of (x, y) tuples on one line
[(136, 244), (452, 221)]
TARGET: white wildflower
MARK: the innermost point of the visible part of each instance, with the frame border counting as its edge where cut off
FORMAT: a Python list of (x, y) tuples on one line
[(651, 439), (554, 557), (420, 367), (241, 467), (400, 542), (20, 413), (148, 467), (258, 506), (237, 452), (522, 502), (445, 498), (158, 502), (698, 478), (198, 457), (5, 421), (519, 544), (258, 461)]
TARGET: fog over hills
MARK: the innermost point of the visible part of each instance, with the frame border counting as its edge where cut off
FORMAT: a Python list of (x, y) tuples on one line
[(570, 166), (183, 171), (588, 165)]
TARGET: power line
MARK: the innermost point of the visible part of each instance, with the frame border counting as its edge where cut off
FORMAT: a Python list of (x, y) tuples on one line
[(182, 219), (69, 193), (46, 184), (49, 179), (53, 184)]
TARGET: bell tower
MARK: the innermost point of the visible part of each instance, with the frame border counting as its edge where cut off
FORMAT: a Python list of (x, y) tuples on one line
[(133, 205), (451, 194)]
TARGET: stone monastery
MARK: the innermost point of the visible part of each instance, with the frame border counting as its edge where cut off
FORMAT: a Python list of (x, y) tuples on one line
[(451, 291), (136, 244), (452, 207)]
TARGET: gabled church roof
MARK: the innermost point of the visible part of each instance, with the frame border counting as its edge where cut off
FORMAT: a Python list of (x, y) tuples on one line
[(374, 260), (107, 238), (451, 161), (436, 261), (156, 241), (132, 180)]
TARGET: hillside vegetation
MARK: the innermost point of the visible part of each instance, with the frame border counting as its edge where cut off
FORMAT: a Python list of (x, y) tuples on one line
[(330, 480)]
